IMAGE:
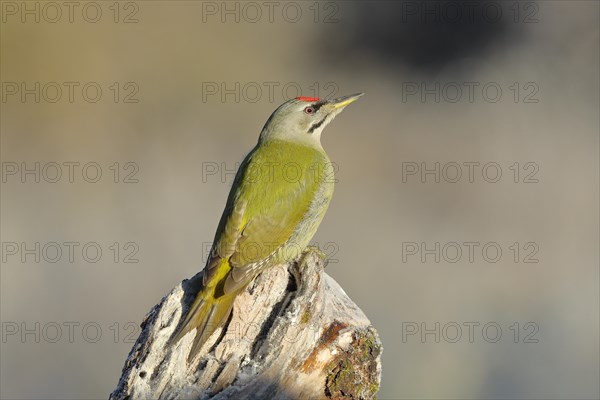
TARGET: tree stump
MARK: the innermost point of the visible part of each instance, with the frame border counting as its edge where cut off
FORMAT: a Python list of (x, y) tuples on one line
[(293, 334)]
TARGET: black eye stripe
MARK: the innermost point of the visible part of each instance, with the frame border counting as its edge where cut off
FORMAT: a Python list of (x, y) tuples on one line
[(318, 105)]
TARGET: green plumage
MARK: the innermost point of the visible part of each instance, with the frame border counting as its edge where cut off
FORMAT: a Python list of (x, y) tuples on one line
[(277, 201)]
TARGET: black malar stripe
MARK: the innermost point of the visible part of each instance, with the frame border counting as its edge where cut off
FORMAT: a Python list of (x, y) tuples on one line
[(316, 125)]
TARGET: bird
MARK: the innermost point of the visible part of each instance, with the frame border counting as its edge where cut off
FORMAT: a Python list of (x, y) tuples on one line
[(279, 196)]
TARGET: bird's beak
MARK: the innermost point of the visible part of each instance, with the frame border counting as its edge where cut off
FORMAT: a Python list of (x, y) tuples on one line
[(342, 102)]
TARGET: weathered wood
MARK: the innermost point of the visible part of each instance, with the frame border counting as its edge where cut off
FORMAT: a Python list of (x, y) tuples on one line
[(293, 334)]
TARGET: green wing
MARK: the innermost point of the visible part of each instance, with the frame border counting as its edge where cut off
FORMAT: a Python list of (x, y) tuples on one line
[(271, 194)]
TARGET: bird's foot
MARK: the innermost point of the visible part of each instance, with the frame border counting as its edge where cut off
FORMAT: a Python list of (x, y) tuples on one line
[(320, 253)]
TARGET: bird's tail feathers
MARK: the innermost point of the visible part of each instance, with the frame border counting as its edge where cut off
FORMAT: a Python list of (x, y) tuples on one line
[(205, 315)]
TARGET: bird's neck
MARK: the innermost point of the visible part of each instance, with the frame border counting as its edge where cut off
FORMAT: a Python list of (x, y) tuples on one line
[(294, 145), (294, 141)]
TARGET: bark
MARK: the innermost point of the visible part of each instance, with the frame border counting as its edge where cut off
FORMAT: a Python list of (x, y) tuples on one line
[(293, 334)]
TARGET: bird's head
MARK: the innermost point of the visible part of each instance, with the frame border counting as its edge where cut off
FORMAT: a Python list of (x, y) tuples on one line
[(303, 119)]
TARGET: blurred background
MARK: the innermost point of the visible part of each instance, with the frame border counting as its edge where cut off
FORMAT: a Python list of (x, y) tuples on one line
[(465, 217)]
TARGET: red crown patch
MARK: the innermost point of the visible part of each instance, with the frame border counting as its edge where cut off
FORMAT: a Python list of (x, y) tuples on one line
[(308, 99)]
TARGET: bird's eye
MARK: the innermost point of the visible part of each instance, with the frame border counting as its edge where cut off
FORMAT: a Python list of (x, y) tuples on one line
[(309, 110)]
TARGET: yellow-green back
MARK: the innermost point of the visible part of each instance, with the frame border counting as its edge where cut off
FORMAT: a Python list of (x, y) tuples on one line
[(272, 194)]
